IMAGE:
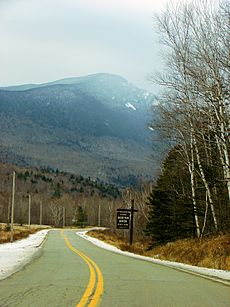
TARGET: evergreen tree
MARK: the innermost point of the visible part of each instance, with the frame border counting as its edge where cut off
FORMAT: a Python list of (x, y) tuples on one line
[(57, 191), (160, 219), (81, 217), (170, 216)]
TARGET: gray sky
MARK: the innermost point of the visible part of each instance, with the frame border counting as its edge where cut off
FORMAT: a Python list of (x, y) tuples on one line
[(46, 40)]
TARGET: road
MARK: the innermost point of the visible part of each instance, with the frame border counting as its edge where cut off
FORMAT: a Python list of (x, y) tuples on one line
[(73, 272)]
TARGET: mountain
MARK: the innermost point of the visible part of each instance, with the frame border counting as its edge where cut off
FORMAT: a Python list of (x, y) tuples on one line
[(95, 126)]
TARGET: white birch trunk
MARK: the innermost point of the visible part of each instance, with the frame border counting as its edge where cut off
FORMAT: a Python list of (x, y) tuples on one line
[(191, 167), (205, 215), (205, 184), (222, 135), (226, 166)]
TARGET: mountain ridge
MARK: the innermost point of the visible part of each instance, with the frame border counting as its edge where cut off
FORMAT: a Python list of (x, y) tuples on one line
[(67, 80), (97, 127)]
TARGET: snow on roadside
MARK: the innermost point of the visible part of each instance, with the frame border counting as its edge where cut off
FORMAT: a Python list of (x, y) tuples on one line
[(220, 275), (13, 256)]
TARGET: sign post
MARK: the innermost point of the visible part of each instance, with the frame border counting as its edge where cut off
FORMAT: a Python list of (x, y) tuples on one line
[(125, 218), (131, 226)]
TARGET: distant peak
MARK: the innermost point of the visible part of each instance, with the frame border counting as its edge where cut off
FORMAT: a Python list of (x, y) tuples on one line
[(101, 77), (96, 76)]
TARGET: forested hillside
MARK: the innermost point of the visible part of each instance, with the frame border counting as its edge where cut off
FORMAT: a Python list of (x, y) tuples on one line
[(96, 126), (53, 190)]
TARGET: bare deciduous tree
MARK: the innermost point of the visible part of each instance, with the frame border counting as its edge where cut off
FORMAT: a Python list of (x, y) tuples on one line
[(195, 101)]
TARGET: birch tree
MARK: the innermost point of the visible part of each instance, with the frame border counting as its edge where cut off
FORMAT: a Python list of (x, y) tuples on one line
[(195, 100)]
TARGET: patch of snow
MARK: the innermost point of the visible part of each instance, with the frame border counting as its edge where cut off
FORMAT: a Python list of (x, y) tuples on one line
[(13, 256), (146, 95), (129, 105), (217, 275), (155, 102)]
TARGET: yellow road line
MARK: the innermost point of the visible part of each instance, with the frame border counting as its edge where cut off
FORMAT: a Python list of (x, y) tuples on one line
[(91, 290), (92, 280), (100, 285)]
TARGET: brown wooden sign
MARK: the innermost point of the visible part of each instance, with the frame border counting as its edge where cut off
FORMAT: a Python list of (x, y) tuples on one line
[(123, 218)]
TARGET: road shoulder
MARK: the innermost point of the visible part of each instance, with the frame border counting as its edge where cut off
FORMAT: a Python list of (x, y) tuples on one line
[(14, 256), (212, 274)]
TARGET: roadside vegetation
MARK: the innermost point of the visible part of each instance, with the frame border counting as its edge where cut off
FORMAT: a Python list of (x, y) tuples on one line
[(20, 232), (213, 252), (192, 195)]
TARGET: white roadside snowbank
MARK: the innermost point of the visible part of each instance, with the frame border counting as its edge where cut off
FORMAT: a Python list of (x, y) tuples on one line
[(13, 256), (218, 275)]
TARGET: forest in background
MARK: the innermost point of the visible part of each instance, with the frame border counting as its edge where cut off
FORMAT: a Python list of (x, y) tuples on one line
[(55, 195), (53, 190)]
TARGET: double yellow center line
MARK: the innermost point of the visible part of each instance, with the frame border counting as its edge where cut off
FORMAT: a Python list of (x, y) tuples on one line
[(94, 289)]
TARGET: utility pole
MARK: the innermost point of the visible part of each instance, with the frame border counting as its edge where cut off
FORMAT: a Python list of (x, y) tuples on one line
[(8, 212), (29, 211), (63, 217), (40, 213), (99, 215), (12, 210)]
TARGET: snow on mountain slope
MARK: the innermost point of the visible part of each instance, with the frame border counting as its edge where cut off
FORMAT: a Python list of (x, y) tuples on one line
[(131, 106)]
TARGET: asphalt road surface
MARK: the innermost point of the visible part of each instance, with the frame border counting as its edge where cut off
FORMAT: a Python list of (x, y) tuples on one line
[(73, 272)]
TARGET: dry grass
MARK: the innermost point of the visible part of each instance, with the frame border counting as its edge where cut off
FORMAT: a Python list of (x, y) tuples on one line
[(209, 252), (20, 232), (139, 247), (106, 236)]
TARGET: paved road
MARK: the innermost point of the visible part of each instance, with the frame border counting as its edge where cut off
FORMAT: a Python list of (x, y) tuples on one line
[(74, 272)]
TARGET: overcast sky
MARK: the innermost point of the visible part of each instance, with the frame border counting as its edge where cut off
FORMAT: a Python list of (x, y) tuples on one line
[(46, 40)]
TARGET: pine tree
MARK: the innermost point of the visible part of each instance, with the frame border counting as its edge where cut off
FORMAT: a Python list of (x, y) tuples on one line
[(160, 219), (81, 217), (170, 216)]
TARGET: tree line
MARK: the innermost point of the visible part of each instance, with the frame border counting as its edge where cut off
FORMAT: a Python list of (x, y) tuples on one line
[(56, 199), (52, 194), (192, 195)]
